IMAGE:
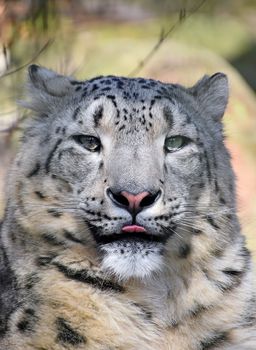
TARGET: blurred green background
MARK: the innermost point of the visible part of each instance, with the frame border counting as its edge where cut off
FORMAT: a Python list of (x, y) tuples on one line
[(96, 37)]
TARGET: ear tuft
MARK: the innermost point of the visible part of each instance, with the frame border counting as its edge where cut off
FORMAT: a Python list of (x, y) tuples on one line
[(211, 94)]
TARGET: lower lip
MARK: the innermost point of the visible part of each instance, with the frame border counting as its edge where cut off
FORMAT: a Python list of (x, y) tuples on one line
[(133, 228)]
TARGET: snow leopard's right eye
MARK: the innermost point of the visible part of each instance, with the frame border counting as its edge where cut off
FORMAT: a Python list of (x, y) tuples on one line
[(174, 143), (91, 143)]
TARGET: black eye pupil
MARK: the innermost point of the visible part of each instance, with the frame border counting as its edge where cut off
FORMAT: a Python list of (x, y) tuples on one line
[(91, 143)]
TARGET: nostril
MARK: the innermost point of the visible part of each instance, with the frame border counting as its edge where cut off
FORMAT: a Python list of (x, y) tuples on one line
[(150, 199), (118, 198)]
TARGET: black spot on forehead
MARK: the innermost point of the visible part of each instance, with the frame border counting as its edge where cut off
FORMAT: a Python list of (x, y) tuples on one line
[(98, 115), (168, 116)]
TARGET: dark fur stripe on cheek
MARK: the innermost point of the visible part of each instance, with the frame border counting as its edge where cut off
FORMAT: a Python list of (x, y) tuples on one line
[(50, 156), (76, 112)]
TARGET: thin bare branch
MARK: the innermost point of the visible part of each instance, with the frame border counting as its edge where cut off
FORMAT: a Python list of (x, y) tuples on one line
[(44, 47), (183, 15), (5, 57)]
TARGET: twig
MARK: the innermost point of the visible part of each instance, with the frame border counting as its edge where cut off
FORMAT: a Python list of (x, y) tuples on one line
[(5, 57), (45, 46), (183, 15)]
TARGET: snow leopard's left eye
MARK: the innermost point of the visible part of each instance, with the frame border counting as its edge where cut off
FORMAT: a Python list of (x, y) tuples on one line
[(91, 143), (174, 143)]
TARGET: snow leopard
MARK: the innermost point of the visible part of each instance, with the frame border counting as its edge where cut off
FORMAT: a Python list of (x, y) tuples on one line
[(121, 230)]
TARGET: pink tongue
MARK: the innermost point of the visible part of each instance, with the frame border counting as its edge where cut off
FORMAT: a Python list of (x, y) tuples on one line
[(133, 228)]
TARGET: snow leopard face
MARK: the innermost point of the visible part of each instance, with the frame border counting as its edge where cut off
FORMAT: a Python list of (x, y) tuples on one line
[(128, 167)]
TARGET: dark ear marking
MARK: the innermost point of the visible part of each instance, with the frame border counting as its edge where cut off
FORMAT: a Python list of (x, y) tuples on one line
[(35, 78), (32, 70)]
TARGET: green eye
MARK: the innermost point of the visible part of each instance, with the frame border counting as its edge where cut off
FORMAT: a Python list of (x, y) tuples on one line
[(174, 143), (91, 143)]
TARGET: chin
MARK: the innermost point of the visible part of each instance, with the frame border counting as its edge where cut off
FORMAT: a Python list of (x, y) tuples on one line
[(132, 259)]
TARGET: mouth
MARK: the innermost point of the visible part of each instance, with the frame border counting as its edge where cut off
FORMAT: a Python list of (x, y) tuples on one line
[(131, 233), (131, 252)]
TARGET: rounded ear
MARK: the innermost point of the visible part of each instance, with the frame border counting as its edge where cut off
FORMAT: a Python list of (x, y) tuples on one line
[(49, 82), (211, 94), (47, 90)]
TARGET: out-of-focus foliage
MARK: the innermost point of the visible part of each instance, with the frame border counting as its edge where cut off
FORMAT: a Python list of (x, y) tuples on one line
[(94, 37), (226, 27)]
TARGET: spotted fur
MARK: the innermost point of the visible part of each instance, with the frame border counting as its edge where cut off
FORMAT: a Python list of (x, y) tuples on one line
[(70, 278)]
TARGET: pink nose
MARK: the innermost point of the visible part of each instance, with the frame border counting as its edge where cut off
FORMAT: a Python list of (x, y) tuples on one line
[(134, 203), (135, 200)]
